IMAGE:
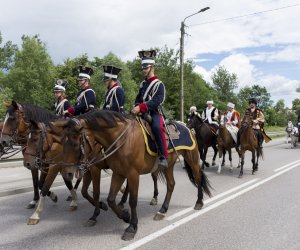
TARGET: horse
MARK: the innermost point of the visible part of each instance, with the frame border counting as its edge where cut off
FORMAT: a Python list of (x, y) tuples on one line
[(294, 137), (126, 154), (15, 129), (225, 143), (205, 138), (288, 131), (249, 141)]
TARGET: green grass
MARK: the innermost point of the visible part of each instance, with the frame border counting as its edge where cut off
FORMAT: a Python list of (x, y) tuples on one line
[(274, 128)]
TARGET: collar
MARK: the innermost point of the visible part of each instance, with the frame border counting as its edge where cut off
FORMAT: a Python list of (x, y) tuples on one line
[(151, 79)]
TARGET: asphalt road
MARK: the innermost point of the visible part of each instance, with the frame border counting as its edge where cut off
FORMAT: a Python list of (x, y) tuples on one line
[(258, 211)]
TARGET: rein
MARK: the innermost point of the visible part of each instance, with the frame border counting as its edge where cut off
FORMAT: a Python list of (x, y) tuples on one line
[(87, 163)]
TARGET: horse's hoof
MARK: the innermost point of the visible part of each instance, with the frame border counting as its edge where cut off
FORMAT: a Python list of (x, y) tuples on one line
[(69, 198), (153, 202), (73, 208), (103, 205), (32, 221), (30, 206), (219, 172), (90, 223), (121, 205), (125, 216), (159, 216), (223, 165), (238, 166), (53, 197), (240, 176), (198, 206), (129, 233)]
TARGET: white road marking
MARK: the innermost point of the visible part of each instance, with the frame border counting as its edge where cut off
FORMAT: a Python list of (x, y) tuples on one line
[(287, 165), (187, 210), (11, 162), (182, 221)]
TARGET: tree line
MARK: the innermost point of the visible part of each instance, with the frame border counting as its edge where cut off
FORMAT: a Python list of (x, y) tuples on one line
[(27, 75)]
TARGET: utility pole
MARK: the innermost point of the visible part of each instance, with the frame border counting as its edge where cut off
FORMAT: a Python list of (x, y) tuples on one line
[(182, 33)]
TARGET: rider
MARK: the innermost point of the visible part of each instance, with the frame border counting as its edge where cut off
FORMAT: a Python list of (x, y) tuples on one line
[(86, 97), (62, 103), (233, 116), (115, 96), (149, 100), (193, 110), (258, 120), (210, 115)]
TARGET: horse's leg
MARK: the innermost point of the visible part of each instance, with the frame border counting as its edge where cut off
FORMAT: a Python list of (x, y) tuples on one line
[(155, 193), (242, 160), (223, 161), (115, 184), (35, 181), (50, 177), (69, 184), (253, 160), (170, 187), (204, 156), (43, 176), (214, 146), (221, 153), (69, 198), (133, 184), (230, 159), (200, 149), (124, 196)]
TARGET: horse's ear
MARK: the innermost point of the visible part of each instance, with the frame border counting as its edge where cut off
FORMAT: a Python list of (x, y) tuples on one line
[(34, 124), (14, 104)]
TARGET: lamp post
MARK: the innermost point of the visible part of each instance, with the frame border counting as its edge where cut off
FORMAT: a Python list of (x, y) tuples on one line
[(182, 32)]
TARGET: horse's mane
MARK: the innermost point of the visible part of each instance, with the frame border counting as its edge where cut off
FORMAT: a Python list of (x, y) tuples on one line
[(110, 118), (37, 114)]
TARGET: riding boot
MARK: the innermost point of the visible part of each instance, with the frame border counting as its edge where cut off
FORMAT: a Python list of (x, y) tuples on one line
[(162, 163)]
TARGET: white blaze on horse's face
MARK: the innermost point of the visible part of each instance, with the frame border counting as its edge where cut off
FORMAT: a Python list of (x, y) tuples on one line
[(5, 120)]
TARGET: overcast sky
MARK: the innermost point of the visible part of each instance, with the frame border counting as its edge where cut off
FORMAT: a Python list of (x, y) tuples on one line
[(261, 49)]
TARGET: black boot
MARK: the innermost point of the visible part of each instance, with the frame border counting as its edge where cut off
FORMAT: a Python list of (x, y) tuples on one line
[(162, 163)]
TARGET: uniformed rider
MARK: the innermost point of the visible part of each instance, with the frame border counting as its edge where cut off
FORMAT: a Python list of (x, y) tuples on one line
[(114, 96), (62, 103), (86, 97), (150, 97)]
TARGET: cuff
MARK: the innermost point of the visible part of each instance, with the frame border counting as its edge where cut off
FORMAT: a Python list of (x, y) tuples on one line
[(143, 107), (71, 110)]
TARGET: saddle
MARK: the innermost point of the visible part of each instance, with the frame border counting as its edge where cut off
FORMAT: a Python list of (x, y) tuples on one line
[(176, 131)]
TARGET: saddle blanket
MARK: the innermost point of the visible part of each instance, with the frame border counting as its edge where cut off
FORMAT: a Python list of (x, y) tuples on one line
[(182, 139), (233, 131)]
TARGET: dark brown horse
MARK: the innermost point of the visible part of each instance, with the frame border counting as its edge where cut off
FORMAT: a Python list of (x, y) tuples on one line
[(125, 153), (225, 143), (248, 141), (15, 129), (205, 137)]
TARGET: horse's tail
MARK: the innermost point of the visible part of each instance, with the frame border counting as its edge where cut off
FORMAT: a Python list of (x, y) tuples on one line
[(205, 184), (260, 152), (190, 174)]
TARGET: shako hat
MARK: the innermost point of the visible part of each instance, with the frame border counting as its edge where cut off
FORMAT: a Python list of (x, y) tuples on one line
[(110, 72), (60, 85), (147, 57), (84, 72)]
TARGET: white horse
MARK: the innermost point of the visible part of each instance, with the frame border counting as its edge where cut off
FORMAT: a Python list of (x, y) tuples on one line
[(294, 137), (288, 131)]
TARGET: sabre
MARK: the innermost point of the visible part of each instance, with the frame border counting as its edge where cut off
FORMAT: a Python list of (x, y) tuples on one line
[(160, 110)]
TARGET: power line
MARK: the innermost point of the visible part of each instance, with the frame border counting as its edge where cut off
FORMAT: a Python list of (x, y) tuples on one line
[(251, 14)]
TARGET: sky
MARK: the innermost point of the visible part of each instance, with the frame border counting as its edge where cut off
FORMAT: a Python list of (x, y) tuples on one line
[(262, 48)]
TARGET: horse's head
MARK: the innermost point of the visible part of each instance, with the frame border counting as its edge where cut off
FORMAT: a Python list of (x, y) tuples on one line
[(289, 127), (247, 120), (222, 120), (14, 126), (39, 142), (194, 121)]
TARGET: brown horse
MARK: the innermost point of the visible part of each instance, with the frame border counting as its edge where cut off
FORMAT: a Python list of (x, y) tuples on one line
[(248, 141), (205, 137), (15, 129), (225, 143), (125, 153)]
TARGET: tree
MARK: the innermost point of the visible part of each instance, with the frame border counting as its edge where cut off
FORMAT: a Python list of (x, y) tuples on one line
[(5, 99), (224, 83), (31, 76), (280, 106), (7, 53)]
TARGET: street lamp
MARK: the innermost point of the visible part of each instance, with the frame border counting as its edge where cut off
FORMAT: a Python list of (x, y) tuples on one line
[(182, 63)]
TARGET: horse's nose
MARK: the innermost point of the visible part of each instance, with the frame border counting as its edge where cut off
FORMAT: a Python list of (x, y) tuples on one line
[(27, 164)]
